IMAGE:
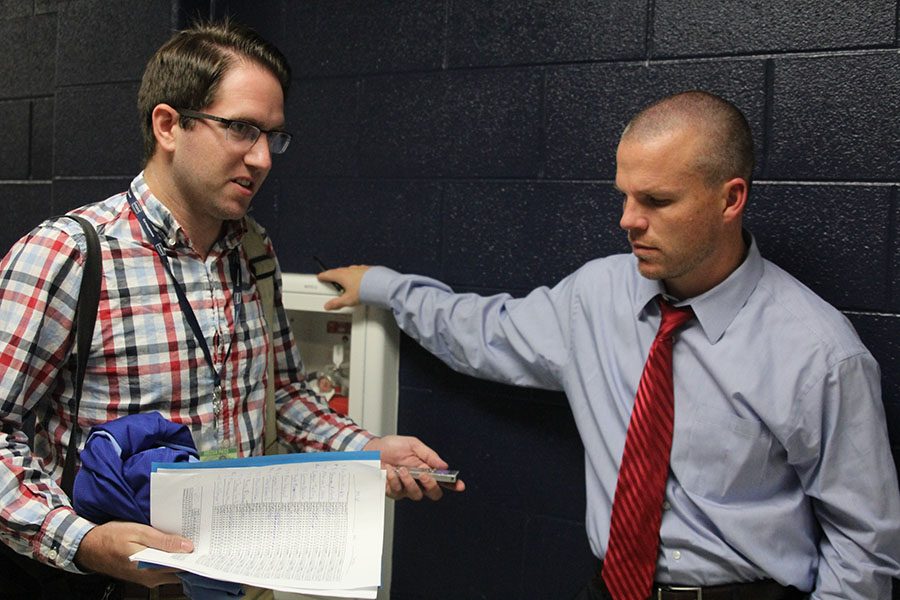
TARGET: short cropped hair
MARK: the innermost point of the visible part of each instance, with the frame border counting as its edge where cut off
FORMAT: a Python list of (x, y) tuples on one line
[(728, 148), (186, 71)]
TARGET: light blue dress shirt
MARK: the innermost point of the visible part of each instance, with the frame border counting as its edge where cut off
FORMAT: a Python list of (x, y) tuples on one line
[(780, 464)]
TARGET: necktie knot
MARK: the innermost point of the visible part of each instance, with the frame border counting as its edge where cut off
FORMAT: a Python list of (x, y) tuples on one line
[(672, 318)]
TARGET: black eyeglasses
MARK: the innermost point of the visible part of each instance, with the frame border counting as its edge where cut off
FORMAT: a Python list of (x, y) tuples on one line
[(243, 132)]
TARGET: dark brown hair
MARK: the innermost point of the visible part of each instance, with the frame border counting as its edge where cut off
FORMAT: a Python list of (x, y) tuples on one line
[(185, 72)]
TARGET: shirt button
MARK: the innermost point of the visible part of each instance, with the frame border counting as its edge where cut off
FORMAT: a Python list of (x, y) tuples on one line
[(676, 555), (666, 505), (52, 555)]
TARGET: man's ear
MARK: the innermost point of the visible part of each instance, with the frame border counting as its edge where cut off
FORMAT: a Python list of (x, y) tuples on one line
[(166, 126), (735, 191)]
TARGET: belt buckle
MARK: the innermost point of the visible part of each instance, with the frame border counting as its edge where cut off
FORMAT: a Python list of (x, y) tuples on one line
[(697, 591)]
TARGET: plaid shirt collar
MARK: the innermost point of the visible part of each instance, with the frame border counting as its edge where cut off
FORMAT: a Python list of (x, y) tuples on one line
[(170, 231)]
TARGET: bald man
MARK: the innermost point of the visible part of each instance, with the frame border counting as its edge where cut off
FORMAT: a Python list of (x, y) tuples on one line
[(779, 480)]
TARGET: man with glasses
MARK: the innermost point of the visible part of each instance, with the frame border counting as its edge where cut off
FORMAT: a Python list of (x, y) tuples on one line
[(180, 327)]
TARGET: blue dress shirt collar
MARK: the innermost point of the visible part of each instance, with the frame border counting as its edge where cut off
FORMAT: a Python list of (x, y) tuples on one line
[(715, 309)]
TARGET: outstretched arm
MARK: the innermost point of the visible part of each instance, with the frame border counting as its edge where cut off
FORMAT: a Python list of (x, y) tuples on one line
[(397, 451)]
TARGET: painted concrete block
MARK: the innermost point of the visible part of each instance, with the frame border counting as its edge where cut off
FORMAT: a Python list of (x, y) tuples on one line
[(589, 106), (710, 27), (110, 40), (478, 123), (23, 206), (15, 117), (835, 118), (332, 37), (519, 235), (97, 131), (28, 46), (813, 232), (544, 31)]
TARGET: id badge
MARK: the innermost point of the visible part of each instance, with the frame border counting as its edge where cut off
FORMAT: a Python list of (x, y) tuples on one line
[(218, 454)]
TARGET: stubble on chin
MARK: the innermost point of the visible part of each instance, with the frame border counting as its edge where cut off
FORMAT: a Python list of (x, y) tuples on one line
[(651, 269)]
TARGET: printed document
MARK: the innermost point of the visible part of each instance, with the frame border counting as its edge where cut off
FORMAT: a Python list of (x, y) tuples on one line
[(311, 523)]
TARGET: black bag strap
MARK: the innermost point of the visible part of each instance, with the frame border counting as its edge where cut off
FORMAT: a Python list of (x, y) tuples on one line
[(85, 317)]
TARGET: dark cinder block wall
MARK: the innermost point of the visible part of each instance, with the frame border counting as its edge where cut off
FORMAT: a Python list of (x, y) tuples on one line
[(474, 141)]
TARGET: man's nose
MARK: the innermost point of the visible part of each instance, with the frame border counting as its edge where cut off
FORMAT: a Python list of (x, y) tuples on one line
[(259, 154), (632, 216)]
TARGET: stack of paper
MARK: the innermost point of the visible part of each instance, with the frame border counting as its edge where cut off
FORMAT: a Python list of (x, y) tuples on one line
[(307, 523)]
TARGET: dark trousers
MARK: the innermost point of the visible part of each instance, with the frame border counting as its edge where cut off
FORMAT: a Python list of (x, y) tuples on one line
[(590, 592), (26, 579), (594, 590)]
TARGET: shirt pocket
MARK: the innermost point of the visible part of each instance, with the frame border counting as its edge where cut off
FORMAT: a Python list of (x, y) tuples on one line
[(725, 456)]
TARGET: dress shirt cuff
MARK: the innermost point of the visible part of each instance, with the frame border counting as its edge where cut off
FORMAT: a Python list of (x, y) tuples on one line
[(63, 532), (375, 288), (351, 439)]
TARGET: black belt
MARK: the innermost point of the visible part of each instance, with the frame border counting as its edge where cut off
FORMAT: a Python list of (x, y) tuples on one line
[(764, 589)]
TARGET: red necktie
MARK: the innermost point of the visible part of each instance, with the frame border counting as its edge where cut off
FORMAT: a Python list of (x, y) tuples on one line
[(637, 507)]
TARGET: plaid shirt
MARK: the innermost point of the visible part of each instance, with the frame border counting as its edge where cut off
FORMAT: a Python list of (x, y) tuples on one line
[(144, 357)]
